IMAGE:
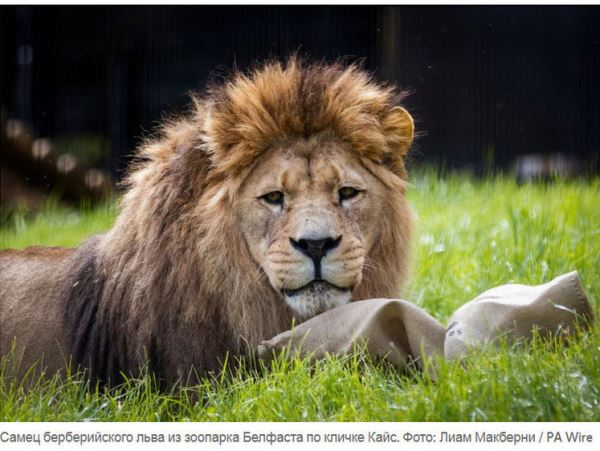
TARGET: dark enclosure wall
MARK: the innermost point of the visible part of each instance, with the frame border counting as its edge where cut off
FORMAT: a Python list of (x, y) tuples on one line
[(486, 82)]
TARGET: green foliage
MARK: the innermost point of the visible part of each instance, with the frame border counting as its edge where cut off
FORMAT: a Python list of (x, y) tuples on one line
[(472, 235)]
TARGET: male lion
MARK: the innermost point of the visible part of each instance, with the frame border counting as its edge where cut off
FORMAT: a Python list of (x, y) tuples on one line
[(280, 195)]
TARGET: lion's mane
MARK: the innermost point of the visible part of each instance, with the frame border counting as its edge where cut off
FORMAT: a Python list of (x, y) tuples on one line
[(172, 284)]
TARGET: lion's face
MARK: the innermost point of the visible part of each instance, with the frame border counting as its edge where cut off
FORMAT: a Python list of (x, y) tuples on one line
[(310, 213)]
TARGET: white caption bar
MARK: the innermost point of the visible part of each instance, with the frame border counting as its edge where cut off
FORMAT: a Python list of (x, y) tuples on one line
[(299, 436)]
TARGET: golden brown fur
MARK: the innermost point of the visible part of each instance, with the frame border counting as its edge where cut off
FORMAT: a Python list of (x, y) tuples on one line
[(188, 273)]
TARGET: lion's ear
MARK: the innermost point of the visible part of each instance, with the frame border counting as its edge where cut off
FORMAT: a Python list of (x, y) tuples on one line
[(399, 129)]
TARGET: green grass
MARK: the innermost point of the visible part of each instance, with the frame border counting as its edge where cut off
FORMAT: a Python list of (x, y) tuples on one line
[(55, 226), (472, 235)]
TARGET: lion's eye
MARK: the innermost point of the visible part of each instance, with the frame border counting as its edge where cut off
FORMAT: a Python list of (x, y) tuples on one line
[(347, 192), (274, 198)]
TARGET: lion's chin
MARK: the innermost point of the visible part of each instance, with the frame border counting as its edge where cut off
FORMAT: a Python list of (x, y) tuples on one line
[(317, 298)]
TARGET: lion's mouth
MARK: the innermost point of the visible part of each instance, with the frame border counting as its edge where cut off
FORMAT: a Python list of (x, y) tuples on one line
[(316, 286)]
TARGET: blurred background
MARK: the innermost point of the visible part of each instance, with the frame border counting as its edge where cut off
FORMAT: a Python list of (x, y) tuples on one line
[(493, 88)]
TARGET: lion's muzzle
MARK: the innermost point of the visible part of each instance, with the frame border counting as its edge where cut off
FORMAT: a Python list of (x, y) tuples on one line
[(316, 273)]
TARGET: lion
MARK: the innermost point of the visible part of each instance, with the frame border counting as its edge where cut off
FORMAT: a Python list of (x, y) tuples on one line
[(278, 196)]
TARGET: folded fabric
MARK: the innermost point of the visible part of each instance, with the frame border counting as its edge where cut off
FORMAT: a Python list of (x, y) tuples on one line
[(515, 311), (405, 334), (392, 329)]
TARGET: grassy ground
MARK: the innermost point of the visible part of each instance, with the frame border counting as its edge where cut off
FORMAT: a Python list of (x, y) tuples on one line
[(473, 235)]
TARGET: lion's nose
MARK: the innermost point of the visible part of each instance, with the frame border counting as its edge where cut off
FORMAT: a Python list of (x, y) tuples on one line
[(316, 249)]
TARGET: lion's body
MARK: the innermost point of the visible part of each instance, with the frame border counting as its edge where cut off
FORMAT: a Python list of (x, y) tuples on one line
[(30, 307), (189, 271)]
